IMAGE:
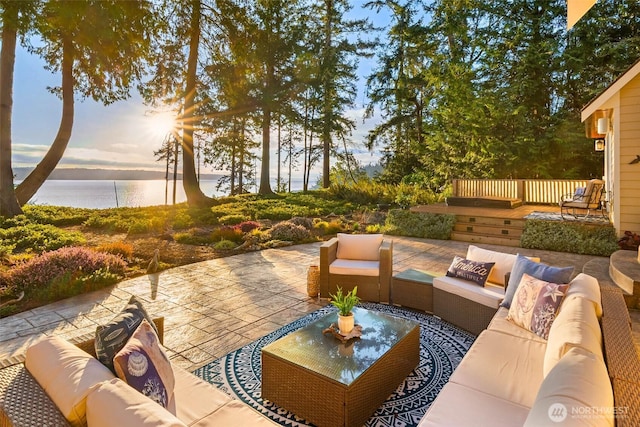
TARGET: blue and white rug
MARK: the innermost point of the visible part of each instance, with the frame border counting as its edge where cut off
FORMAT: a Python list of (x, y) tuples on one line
[(442, 347), (595, 217)]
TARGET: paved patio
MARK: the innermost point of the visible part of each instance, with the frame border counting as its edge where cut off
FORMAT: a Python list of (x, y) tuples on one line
[(214, 307)]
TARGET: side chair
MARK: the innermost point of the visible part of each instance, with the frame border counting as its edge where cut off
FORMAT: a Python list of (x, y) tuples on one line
[(586, 198), (362, 260)]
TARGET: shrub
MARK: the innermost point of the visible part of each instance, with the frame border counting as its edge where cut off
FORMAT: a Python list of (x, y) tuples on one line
[(225, 245), (56, 215), (195, 236), (233, 219), (61, 272), (629, 241), (289, 231), (248, 226), (419, 224), (227, 232), (373, 228), (303, 221), (125, 250), (38, 238), (181, 221), (578, 238)]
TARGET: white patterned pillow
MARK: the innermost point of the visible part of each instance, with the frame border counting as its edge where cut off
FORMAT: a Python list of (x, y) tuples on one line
[(535, 304)]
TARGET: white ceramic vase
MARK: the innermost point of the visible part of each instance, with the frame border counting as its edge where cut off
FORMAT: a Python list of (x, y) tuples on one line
[(345, 323)]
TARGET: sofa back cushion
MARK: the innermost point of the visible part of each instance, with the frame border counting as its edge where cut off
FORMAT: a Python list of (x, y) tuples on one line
[(66, 374), (587, 287), (576, 325), (114, 403), (364, 247), (503, 262), (576, 392), (524, 265)]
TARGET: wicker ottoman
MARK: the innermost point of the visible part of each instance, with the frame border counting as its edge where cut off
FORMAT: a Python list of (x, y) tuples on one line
[(465, 304), (413, 288)]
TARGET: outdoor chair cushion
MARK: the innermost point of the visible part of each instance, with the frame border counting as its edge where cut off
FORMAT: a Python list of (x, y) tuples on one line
[(66, 374), (114, 403), (586, 286), (364, 247), (503, 366), (576, 325), (489, 295), (355, 267), (579, 382)]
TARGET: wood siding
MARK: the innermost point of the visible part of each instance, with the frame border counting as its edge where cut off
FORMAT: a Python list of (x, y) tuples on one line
[(629, 185)]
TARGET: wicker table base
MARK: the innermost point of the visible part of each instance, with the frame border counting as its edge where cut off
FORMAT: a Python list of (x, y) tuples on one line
[(331, 384), (414, 289)]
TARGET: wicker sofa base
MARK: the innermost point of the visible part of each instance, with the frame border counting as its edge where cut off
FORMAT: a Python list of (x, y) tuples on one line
[(466, 314)]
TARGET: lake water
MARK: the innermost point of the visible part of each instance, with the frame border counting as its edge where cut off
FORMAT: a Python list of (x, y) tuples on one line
[(101, 194)]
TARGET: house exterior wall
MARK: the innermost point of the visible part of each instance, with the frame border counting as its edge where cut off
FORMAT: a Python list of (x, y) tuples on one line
[(628, 137)]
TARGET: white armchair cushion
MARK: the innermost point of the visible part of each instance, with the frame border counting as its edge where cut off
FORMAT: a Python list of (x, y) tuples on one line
[(355, 268), (364, 247), (586, 286)]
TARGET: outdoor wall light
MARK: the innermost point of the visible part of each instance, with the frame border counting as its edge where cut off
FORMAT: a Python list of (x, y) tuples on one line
[(599, 144), (603, 125)]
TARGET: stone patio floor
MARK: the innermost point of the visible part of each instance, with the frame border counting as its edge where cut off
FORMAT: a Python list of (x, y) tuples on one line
[(214, 307)]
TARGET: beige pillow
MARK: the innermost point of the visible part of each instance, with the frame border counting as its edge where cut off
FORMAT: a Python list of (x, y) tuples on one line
[(361, 247), (576, 392), (503, 262), (576, 325), (66, 374), (114, 403), (143, 364)]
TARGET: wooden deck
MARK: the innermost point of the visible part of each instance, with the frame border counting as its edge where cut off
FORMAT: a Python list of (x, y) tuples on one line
[(515, 213)]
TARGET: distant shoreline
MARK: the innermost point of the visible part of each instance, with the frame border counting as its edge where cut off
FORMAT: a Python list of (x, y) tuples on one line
[(80, 174)]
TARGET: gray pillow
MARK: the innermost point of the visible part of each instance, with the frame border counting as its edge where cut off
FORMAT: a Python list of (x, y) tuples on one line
[(538, 270), (113, 336)]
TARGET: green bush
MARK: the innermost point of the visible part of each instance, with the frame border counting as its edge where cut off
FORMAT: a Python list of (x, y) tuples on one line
[(419, 224), (181, 221), (56, 215), (225, 245), (578, 238), (233, 219), (38, 238), (227, 232), (195, 236)]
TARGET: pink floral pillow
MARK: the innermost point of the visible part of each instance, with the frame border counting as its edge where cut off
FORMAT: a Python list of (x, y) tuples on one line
[(535, 304)]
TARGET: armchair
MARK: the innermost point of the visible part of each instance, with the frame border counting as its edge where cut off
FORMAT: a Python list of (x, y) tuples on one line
[(363, 260), (583, 198)]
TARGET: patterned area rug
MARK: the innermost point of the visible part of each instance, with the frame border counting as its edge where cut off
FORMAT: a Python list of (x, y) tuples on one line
[(442, 347), (595, 218)]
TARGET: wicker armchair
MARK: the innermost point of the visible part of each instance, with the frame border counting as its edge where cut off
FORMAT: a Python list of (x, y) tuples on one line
[(587, 198), (363, 260)]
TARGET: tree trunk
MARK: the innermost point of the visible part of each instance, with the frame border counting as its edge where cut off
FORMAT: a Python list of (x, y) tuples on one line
[(195, 196), (39, 175), (328, 95), (175, 168), (9, 206), (265, 186)]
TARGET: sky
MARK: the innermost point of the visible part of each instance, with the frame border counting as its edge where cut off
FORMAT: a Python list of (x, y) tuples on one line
[(123, 135)]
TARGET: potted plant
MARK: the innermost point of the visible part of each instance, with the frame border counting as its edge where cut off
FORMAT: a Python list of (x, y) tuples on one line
[(345, 303)]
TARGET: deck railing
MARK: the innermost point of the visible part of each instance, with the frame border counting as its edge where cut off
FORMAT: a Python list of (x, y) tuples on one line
[(534, 191)]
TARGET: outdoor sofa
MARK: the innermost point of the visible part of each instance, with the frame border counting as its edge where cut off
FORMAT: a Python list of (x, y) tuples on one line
[(62, 384), (586, 373)]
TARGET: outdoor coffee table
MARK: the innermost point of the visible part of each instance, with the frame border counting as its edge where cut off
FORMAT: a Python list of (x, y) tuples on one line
[(329, 383)]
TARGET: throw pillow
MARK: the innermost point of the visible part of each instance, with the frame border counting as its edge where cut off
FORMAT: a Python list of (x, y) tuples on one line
[(143, 364), (535, 305), (475, 271), (541, 271), (110, 338)]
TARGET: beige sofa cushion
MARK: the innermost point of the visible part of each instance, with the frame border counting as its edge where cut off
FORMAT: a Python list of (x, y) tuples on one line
[(576, 392), (587, 287), (504, 366), (363, 247), (487, 295), (576, 325), (66, 374), (504, 262), (198, 403), (460, 406), (115, 403), (354, 267), (499, 323)]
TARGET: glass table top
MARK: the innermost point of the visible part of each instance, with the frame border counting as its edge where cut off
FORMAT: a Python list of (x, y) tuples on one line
[(325, 355)]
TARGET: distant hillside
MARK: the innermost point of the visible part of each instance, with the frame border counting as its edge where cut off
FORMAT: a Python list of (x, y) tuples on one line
[(103, 174)]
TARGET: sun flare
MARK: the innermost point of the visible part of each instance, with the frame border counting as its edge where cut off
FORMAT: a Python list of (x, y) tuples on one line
[(162, 123)]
